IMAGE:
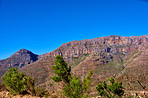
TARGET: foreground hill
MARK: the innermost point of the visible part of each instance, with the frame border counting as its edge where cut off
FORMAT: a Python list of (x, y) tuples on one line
[(19, 59), (106, 56)]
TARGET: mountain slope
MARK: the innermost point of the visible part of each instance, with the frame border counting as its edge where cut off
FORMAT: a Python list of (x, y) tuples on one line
[(135, 73), (106, 56)]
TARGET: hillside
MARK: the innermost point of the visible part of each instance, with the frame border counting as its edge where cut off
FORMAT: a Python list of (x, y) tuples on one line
[(106, 56)]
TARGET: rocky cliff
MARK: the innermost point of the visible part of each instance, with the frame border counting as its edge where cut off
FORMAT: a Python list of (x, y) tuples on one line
[(111, 44)]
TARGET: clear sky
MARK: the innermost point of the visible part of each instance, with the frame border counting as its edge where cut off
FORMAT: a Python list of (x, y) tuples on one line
[(43, 25)]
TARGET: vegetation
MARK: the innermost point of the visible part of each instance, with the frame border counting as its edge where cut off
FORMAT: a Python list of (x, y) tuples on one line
[(15, 81), (32, 89), (62, 70), (77, 89), (19, 83), (73, 87), (73, 90), (113, 90)]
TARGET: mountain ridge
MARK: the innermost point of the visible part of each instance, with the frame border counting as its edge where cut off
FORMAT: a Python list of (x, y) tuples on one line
[(106, 56)]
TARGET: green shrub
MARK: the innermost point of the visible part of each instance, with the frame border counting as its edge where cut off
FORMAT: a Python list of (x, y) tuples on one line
[(19, 83), (15, 81), (30, 85), (76, 88), (113, 90)]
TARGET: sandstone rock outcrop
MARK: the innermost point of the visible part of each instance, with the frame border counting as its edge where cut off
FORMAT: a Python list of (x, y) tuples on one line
[(112, 44)]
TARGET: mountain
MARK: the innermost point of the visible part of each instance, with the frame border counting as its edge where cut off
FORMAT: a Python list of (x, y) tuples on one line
[(18, 59), (124, 58)]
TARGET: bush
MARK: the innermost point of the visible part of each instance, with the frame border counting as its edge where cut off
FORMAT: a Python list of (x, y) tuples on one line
[(110, 91), (19, 83), (30, 85), (76, 88), (15, 81)]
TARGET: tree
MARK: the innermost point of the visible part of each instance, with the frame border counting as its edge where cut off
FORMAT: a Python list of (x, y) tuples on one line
[(112, 90), (73, 86), (30, 85), (61, 70), (76, 88), (18, 83), (15, 81), (86, 83)]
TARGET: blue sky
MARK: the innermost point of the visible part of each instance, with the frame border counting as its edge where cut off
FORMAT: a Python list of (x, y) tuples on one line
[(43, 25)]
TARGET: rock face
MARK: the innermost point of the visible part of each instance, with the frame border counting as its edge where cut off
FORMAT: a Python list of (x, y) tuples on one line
[(110, 44), (19, 59)]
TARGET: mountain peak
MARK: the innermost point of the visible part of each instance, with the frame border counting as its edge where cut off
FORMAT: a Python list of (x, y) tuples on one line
[(20, 58), (23, 51)]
